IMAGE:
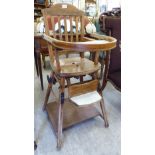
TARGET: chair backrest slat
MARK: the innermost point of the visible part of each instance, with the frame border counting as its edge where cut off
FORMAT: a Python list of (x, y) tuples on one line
[(59, 26), (71, 28), (82, 27), (65, 27), (53, 27), (77, 27)]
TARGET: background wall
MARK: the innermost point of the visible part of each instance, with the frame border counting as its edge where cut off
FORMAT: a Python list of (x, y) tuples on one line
[(78, 3), (101, 5)]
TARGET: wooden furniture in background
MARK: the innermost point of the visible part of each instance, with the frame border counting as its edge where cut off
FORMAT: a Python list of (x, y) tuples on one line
[(40, 51), (64, 113), (40, 45), (38, 6), (37, 56), (111, 25)]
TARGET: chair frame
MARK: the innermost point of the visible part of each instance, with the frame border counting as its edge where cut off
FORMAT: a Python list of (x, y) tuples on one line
[(67, 43)]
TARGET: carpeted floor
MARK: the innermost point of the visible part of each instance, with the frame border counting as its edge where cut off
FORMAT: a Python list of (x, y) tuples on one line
[(87, 138)]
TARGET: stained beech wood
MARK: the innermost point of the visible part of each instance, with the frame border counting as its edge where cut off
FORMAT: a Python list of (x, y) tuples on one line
[(75, 66), (53, 27), (79, 89), (82, 27), (59, 24), (48, 92), (65, 25), (71, 28), (107, 44), (77, 26), (72, 114), (64, 10), (65, 114), (60, 113)]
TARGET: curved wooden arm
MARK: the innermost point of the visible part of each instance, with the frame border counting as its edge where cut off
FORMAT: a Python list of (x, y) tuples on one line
[(107, 43), (101, 37)]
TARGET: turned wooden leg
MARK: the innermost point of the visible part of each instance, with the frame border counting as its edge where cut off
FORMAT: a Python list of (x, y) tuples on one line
[(36, 63), (81, 79), (60, 124), (102, 66), (104, 113), (43, 59), (106, 71), (40, 69), (50, 82), (60, 115)]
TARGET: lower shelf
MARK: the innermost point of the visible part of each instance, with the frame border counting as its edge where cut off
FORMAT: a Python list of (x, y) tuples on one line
[(72, 114)]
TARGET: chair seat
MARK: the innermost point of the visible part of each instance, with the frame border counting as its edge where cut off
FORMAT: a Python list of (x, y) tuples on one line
[(77, 66), (86, 99)]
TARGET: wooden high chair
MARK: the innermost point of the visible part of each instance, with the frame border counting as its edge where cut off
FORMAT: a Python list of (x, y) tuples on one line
[(64, 32)]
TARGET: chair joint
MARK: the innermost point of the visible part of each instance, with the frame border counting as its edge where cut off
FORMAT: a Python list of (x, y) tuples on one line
[(51, 80), (62, 98)]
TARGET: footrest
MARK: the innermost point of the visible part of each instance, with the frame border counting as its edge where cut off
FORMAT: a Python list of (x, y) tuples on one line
[(86, 99)]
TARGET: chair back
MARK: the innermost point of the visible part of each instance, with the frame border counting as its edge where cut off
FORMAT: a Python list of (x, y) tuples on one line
[(64, 22)]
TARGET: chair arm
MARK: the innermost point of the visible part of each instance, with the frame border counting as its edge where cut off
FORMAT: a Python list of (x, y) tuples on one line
[(107, 43), (101, 37)]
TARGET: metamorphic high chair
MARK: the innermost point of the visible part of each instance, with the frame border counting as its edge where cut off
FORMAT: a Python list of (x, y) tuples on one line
[(65, 34)]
